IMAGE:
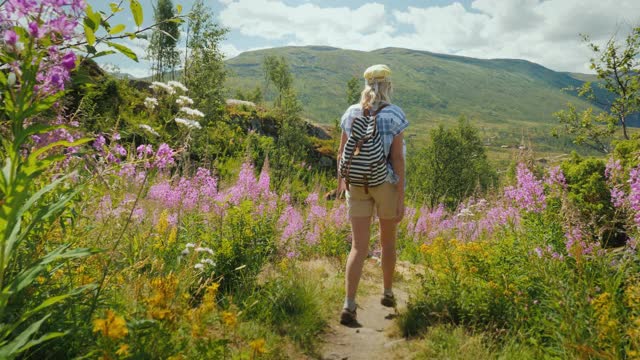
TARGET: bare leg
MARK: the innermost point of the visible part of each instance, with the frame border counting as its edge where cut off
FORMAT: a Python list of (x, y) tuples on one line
[(388, 234), (361, 231)]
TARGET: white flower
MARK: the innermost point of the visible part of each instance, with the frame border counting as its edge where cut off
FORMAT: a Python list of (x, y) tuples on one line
[(191, 112), (204, 249), (465, 213), (148, 129), (189, 124), (157, 85), (184, 100), (177, 85), (199, 266), (208, 261), (151, 103), (11, 79), (190, 245)]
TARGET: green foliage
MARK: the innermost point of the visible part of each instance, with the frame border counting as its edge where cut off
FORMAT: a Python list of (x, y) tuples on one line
[(572, 307), (162, 47), (593, 131), (291, 146), (451, 167), (455, 343), (617, 70), (255, 96), (29, 201), (353, 90), (242, 247), (628, 152), (204, 73), (276, 71), (589, 194), (292, 302)]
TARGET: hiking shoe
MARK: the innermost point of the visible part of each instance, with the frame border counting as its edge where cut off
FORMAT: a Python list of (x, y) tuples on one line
[(347, 317), (388, 300)]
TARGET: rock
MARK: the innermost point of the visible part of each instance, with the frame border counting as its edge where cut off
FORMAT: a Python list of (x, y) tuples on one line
[(317, 131), (236, 102), (391, 344), (326, 162)]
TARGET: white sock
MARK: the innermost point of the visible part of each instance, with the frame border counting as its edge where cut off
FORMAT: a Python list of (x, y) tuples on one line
[(388, 292), (349, 304)]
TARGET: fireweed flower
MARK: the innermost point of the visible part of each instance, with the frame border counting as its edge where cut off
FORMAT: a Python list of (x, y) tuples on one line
[(292, 222), (613, 169), (555, 177), (34, 30), (10, 37), (144, 151), (618, 196), (528, 193), (164, 157), (52, 19)]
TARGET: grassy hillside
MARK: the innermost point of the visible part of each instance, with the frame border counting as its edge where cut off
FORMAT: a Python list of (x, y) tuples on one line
[(509, 99)]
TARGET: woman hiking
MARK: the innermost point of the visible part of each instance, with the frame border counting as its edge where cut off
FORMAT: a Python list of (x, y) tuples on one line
[(371, 168)]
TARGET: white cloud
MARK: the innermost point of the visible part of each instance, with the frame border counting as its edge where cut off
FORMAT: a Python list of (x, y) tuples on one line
[(546, 32), (363, 28), (229, 50), (138, 72)]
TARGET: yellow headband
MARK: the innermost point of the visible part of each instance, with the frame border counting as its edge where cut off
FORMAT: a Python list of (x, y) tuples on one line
[(379, 72)]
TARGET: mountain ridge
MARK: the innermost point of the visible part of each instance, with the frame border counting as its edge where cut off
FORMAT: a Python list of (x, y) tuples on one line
[(508, 99)]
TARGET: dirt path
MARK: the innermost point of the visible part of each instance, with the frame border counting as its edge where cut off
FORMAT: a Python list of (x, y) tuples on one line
[(376, 335)]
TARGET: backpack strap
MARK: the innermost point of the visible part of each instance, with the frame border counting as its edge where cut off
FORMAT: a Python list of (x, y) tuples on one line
[(368, 113)]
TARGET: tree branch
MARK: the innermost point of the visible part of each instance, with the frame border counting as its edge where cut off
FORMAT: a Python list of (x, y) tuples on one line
[(118, 37)]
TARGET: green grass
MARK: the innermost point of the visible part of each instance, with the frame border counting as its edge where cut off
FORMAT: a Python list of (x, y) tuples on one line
[(455, 343), (295, 299)]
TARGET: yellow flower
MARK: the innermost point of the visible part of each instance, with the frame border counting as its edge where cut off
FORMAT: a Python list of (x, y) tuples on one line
[(162, 295), (173, 235), (112, 326), (284, 264), (196, 331), (229, 318), (163, 222), (41, 280), (123, 350), (424, 248), (258, 346), (212, 289)]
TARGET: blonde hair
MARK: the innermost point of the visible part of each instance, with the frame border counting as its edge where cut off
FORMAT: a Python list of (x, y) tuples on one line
[(376, 91)]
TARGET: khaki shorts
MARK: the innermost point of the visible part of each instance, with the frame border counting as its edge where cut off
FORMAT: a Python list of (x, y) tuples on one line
[(382, 198)]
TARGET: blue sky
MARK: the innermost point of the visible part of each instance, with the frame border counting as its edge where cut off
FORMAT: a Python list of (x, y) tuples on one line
[(545, 32)]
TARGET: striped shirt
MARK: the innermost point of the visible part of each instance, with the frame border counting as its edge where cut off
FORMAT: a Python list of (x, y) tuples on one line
[(391, 122)]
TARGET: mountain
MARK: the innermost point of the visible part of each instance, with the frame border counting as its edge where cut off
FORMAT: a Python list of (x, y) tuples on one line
[(511, 101)]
